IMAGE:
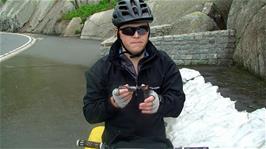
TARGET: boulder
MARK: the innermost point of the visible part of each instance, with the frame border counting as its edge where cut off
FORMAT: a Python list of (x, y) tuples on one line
[(16, 13), (84, 2), (38, 16), (160, 30), (194, 22), (247, 18), (98, 26), (42, 9), (74, 27), (61, 26), (167, 12), (212, 11), (47, 24)]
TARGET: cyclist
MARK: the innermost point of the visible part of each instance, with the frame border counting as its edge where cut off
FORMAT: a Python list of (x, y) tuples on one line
[(133, 118)]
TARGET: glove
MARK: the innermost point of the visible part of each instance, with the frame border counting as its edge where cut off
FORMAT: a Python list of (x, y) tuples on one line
[(156, 101), (119, 100), (150, 105)]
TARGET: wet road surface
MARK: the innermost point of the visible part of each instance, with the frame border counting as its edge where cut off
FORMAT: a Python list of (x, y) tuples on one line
[(41, 94), (13, 41)]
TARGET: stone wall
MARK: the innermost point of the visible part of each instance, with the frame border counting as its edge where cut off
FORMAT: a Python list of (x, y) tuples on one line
[(212, 48)]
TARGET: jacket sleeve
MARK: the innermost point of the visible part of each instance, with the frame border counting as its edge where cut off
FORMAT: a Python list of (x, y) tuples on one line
[(97, 106), (172, 96)]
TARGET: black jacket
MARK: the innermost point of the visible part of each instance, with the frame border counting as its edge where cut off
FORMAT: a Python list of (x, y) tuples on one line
[(128, 123)]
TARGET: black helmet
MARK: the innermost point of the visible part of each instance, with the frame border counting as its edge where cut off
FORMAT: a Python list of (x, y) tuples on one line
[(131, 10)]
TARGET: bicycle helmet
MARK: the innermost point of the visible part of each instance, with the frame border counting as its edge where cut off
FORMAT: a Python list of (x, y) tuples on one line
[(131, 10)]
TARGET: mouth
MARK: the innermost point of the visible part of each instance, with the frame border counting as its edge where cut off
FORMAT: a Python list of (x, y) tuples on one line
[(137, 42)]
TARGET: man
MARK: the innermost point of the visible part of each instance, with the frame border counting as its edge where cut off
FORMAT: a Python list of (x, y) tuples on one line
[(134, 87)]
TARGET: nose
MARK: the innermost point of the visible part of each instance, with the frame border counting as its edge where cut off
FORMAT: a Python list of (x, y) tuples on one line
[(136, 34)]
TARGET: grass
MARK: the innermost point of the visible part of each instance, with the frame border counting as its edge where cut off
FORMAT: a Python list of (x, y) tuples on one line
[(89, 9), (3, 1)]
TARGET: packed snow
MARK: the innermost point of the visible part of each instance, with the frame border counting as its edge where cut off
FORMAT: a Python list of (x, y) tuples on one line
[(211, 120)]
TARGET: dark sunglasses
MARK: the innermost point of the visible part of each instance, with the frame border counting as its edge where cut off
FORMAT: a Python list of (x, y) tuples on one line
[(130, 31)]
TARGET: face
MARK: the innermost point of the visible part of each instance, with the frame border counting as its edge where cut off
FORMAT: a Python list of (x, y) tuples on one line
[(134, 43)]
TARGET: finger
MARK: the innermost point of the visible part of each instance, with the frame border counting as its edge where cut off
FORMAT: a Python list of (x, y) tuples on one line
[(124, 91), (145, 106), (127, 96), (149, 99)]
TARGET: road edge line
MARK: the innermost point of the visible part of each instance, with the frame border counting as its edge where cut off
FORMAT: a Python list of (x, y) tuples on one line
[(16, 51)]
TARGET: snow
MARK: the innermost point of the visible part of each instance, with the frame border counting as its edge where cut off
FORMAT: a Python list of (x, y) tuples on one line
[(211, 120)]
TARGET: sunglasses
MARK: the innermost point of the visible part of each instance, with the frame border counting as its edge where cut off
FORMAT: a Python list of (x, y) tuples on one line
[(130, 31)]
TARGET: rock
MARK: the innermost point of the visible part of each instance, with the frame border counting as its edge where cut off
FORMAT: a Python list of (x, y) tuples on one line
[(160, 30), (8, 24), (42, 9), (194, 22), (165, 12), (108, 42), (61, 26), (168, 12), (38, 16), (84, 2), (74, 27), (98, 26), (16, 13), (47, 24), (247, 17), (211, 10), (223, 7)]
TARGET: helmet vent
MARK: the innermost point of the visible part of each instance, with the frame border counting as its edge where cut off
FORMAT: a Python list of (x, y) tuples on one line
[(133, 3), (143, 5), (122, 3), (125, 13), (144, 11), (135, 10), (123, 8)]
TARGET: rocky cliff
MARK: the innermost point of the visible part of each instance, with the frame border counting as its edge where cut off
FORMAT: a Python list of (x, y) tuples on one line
[(247, 17)]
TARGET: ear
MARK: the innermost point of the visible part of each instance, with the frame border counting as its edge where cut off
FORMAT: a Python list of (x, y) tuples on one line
[(115, 31)]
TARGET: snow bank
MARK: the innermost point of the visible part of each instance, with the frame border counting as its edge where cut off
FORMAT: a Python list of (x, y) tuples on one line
[(208, 119)]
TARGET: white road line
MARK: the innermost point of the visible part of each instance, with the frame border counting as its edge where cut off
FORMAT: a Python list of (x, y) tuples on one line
[(19, 49)]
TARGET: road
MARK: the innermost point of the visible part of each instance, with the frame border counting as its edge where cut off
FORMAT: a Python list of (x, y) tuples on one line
[(13, 43), (41, 92)]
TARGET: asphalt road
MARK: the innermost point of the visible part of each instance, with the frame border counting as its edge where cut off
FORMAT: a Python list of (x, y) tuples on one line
[(41, 91)]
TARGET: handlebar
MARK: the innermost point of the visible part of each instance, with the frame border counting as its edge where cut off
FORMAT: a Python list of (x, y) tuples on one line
[(90, 144), (142, 87)]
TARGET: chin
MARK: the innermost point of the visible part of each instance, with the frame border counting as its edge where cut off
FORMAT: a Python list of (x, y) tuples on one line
[(137, 49)]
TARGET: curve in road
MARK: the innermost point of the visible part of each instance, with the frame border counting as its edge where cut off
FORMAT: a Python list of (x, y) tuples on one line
[(8, 52)]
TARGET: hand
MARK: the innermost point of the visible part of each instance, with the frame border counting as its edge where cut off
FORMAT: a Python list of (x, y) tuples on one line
[(121, 97), (150, 104)]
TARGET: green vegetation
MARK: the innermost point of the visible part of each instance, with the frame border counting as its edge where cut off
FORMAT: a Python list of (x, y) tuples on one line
[(3, 1), (88, 10)]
